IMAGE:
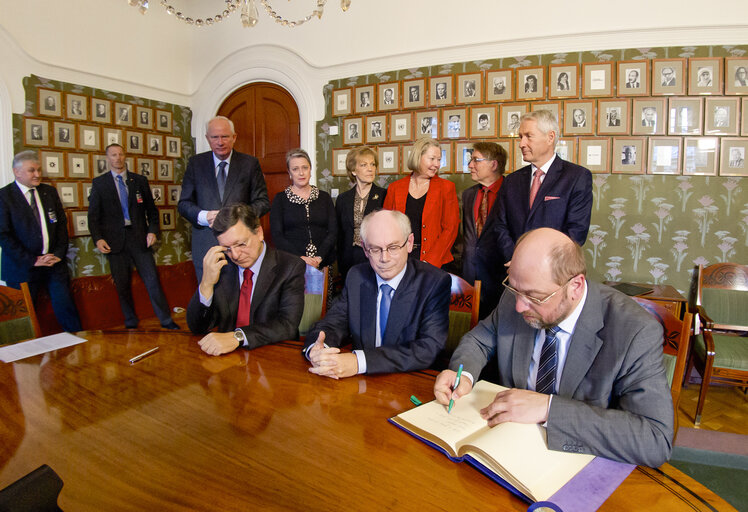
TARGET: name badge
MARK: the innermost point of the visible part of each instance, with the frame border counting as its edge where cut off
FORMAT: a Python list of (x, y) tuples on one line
[(138, 197), (52, 215)]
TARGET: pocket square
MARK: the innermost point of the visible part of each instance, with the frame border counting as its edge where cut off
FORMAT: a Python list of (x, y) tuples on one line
[(551, 198)]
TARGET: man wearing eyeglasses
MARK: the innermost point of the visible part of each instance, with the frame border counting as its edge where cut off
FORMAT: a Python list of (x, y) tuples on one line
[(393, 309), (580, 358), (252, 293)]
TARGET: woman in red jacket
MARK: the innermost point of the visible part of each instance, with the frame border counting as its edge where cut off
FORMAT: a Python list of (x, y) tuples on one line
[(430, 202)]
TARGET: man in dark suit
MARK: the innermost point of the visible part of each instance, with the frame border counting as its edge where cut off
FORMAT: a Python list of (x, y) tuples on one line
[(479, 213), (550, 192), (123, 221), (394, 309), (262, 304), (34, 238), (217, 178), (579, 357)]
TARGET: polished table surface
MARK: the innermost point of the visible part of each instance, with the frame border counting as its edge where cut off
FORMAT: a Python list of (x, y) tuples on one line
[(181, 430)]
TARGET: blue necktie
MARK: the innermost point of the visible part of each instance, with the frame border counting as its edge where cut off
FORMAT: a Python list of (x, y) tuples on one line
[(544, 383), (123, 198), (221, 178), (384, 308)]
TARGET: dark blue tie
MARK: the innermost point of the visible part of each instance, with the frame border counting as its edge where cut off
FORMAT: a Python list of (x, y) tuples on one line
[(122, 189), (384, 309), (546, 378), (221, 178)]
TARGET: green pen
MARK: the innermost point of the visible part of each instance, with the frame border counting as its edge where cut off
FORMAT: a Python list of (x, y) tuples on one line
[(415, 400), (457, 383)]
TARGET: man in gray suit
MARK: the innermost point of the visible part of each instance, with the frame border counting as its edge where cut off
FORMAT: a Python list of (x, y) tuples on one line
[(579, 357)]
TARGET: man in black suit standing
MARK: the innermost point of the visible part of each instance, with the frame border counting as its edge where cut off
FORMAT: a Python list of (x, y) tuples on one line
[(34, 238), (123, 221), (258, 305), (217, 178)]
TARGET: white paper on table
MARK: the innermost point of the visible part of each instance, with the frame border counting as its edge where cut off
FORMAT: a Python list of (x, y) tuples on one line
[(17, 351), (594, 155), (664, 156)]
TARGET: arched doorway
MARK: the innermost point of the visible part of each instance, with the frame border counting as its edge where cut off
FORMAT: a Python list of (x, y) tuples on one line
[(266, 118)]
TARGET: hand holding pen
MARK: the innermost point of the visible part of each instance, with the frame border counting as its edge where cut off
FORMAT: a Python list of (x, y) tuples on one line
[(450, 386)]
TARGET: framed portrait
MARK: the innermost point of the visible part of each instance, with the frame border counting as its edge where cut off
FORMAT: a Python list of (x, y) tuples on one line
[(446, 161), (36, 132), (401, 127), (146, 167), (130, 163), (510, 116), (722, 116), (648, 117), (338, 161), (732, 161), (52, 164), (353, 128), (86, 189), (563, 81), (553, 106), (594, 154), (163, 121), (508, 145), (736, 75), (376, 129), (341, 101), (165, 170), (111, 136), (88, 137), (469, 88), (454, 123), (684, 116), (173, 147), (628, 155), (531, 83), (633, 78), (566, 148), (80, 223), (668, 77), (76, 107), (463, 155), (154, 144), (99, 165), (744, 126), (700, 156), (389, 159), (440, 90), (483, 122), (77, 164), (49, 102), (499, 85), (101, 111), (389, 96), (414, 93), (664, 155), (144, 118), (613, 117), (519, 161), (123, 114), (134, 142), (157, 192), (579, 117), (427, 123), (68, 193), (598, 79), (364, 99), (704, 76), (168, 218), (172, 194), (64, 135)]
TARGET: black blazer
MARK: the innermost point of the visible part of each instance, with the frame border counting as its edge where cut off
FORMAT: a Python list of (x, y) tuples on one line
[(105, 218), (348, 254), (20, 235)]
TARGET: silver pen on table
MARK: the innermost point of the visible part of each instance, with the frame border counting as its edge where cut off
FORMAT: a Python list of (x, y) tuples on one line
[(144, 354)]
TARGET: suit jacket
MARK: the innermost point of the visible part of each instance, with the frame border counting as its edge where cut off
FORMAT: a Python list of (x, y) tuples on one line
[(440, 220), (416, 327), (20, 235), (563, 202), (348, 254), (276, 308), (613, 398), (105, 218)]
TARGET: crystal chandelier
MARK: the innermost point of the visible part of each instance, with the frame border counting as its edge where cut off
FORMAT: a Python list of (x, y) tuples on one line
[(249, 12)]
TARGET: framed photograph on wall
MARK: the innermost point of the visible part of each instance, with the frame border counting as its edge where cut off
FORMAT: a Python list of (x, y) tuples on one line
[(531, 83), (566, 148), (463, 155), (111, 136), (563, 81), (669, 77), (129, 163), (78, 165), (579, 118), (101, 111), (144, 118), (99, 165), (145, 167), (704, 76), (52, 164), (427, 123), (68, 193), (155, 144), (446, 161), (341, 101), (80, 223), (664, 155), (553, 106), (499, 85), (732, 161), (744, 127), (414, 93), (173, 147), (338, 161), (376, 129), (353, 128), (76, 107), (519, 161), (364, 99), (88, 137), (628, 155), (134, 142), (700, 156), (123, 114), (49, 102), (163, 121), (157, 191), (508, 145), (721, 116), (510, 116), (594, 154), (454, 123), (633, 78), (684, 116), (86, 192), (598, 79), (613, 117), (440, 90), (648, 116), (736, 75), (483, 122), (401, 127), (389, 159), (64, 135), (172, 194), (469, 88), (36, 132), (165, 170), (389, 96), (168, 218)]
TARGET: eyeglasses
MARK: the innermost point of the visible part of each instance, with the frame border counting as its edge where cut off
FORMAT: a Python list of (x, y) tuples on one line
[(390, 249), (476, 160), (527, 298), (236, 248)]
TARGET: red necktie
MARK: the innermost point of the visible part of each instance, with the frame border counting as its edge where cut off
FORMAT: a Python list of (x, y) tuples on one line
[(242, 317), (482, 211), (535, 185)]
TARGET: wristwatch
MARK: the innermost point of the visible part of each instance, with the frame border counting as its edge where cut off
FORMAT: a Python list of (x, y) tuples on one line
[(239, 335)]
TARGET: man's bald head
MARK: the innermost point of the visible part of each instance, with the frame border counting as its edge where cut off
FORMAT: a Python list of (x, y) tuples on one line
[(551, 253)]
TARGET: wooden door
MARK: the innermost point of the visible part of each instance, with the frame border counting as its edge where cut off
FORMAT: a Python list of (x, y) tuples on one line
[(266, 120)]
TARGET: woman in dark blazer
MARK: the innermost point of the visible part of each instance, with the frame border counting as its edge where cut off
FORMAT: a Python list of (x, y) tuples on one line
[(353, 205)]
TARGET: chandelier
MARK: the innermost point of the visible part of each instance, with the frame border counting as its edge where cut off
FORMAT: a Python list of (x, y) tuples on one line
[(249, 12)]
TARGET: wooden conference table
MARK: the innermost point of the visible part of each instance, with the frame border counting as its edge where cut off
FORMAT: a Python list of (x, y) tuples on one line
[(181, 430)]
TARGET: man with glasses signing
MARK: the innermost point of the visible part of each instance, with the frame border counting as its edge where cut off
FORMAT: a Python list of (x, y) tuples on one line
[(393, 309), (580, 358), (252, 293)]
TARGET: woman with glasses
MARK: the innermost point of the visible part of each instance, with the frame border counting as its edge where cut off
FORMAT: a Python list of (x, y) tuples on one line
[(430, 202), (302, 217)]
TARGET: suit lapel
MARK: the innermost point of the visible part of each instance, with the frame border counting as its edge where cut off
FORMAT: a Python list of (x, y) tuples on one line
[(21, 202), (112, 191), (232, 179), (400, 308), (468, 208), (522, 347), (209, 180), (368, 292), (263, 281), (230, 275)]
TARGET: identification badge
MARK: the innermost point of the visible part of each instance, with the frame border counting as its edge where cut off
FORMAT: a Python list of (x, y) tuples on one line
[(52, 215), (138, 197)]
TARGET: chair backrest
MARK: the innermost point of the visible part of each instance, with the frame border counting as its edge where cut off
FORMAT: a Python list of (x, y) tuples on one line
[(18, 320), (315, 298), (722, 290), (34, 492), (464, 304)]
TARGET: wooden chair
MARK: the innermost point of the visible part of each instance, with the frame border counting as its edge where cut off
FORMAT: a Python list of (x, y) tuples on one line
[(719, 303), (315, 298), (676, 335), (18, 320), (464, 305), (35, 492)]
